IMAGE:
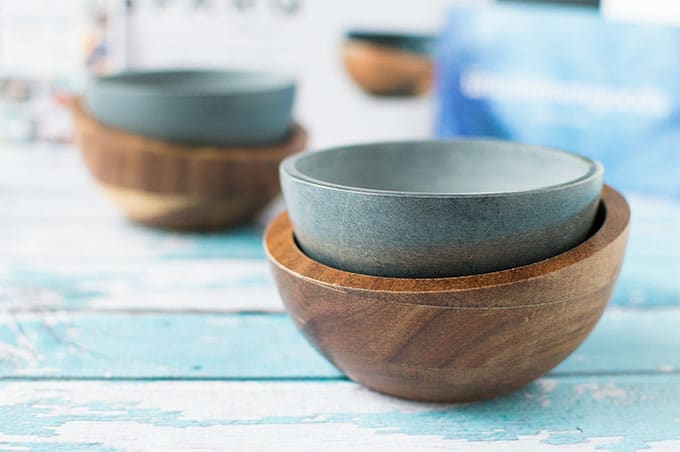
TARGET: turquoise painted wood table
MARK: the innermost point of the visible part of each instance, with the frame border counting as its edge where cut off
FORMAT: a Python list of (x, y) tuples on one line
[(118, 337)]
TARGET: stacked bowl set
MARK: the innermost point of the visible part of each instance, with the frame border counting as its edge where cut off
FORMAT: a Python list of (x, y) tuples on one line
[(430, 270), (389, 64), (188, 150)]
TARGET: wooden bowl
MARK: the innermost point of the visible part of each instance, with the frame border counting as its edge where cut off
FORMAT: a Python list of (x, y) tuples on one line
[(386, 71), (452, 339), (172, 186)]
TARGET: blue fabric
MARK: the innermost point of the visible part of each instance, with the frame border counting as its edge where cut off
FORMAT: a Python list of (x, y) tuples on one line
[(565, 77)]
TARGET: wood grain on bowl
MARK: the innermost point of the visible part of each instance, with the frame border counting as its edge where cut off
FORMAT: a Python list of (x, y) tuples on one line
[(183, 211), (181, 187), (452, 339), (384, 71)]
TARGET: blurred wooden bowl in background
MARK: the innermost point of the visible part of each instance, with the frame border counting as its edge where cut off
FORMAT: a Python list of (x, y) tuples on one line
[(384, 71), (179, 187)]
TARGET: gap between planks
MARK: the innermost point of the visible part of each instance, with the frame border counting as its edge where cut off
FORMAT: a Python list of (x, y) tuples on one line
[(556, 375)]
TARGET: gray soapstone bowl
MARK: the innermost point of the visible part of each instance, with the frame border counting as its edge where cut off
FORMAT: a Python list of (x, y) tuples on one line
[(426, 209), (407, 42), (196, 107)]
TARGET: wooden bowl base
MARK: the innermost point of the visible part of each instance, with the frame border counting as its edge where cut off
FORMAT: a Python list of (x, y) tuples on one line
[(173, 186), (183, 212)]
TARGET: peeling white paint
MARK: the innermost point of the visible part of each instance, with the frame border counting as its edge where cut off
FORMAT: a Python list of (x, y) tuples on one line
[(600, 391), (218, 401), (328, 437), (547, 384), (13, 352)]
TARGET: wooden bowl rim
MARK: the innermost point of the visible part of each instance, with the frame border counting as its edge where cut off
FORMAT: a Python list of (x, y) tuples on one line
[(295, 142), (282, 251)]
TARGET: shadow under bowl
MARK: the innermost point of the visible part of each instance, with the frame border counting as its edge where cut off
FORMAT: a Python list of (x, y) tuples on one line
[(452, 339), (178, 187), (439, 208), (195, 107)]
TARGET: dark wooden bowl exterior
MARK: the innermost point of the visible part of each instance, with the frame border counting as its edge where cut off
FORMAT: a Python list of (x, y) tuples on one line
[(382, 71), (174, 186), (452, 339)]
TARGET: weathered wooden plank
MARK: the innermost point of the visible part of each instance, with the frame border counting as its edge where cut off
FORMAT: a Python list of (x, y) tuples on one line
[(621, 413), (218, 284), (142, 284), (117, 238), (59, 260), (155, 345), (91, 345)]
